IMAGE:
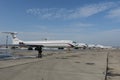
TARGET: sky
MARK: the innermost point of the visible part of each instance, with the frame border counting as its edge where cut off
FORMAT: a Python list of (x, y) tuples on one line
[(84, 21)]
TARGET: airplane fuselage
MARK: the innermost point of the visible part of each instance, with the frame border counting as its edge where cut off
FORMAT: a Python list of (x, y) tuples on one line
[(51, 43)]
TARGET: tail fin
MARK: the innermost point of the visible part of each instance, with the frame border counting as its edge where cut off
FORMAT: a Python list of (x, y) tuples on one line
[(15, 40)]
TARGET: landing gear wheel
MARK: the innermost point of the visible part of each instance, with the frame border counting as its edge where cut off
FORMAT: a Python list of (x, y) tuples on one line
[(39, 55), (39, 49)]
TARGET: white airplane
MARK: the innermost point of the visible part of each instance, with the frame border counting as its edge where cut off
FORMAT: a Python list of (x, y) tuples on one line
[(103, 47), (44, 43), (39, 44), (91, 46), (81, 45)]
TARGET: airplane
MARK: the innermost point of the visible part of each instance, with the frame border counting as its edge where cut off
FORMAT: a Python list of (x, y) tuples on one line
[(90, 46), (60, 44), (103, 47), (81, 46), (98, 46)]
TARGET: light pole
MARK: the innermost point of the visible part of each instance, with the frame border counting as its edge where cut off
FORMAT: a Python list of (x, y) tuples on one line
[(7, 41)]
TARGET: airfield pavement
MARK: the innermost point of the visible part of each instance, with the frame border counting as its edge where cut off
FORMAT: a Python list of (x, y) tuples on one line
[(96, 64)]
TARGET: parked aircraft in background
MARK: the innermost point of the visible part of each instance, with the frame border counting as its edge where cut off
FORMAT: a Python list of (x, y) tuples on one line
[(90, 46), (102, 46), (81, 46)]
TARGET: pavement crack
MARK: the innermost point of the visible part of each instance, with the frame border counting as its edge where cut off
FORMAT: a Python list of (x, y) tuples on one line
[(106, 72)]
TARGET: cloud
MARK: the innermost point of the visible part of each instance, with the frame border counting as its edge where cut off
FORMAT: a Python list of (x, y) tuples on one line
[(64, 13), (93, 9), (115, 13), (83, 25), (48, 13)]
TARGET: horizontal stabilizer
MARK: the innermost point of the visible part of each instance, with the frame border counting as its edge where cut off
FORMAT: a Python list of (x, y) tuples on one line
[(10, 32)]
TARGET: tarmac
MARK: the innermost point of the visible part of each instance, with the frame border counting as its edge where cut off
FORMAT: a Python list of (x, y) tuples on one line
[(96, 64)]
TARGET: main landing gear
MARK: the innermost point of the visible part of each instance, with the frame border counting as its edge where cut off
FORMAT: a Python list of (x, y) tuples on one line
[(39, 49)]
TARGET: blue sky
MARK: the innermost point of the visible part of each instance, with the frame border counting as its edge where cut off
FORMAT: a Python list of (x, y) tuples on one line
[(88, 21)]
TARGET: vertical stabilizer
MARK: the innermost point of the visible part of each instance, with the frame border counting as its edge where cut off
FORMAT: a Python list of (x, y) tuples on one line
[(15, 40)]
